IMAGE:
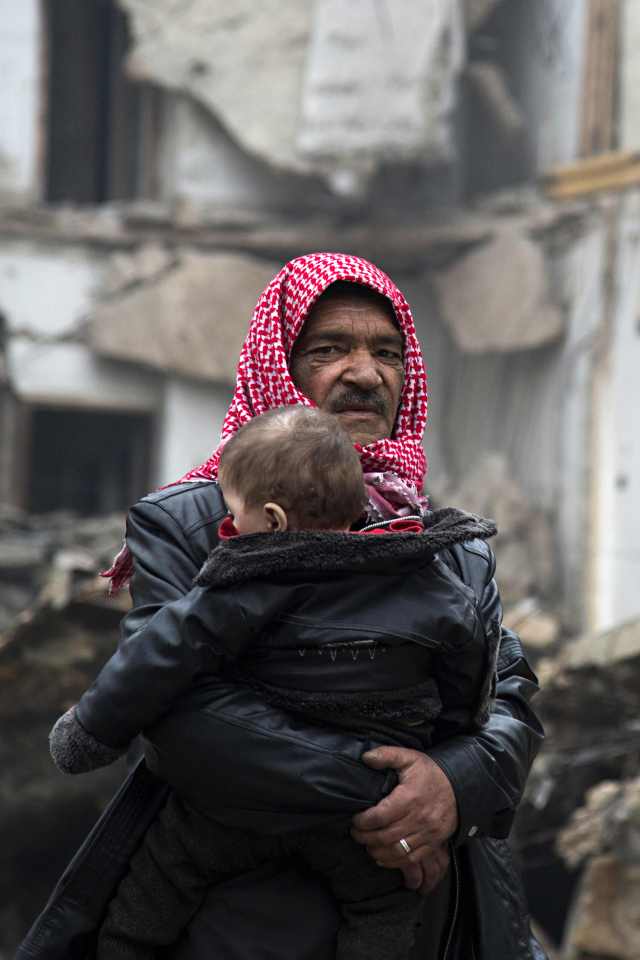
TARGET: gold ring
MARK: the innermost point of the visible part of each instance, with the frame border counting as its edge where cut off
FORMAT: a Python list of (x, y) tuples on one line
[(405, 846)]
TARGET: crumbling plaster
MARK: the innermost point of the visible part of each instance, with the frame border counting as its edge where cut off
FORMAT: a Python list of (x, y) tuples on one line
[(46, 289), (20, 58), (322, 88)]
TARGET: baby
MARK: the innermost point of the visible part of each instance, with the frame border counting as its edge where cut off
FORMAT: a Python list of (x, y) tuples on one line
[(346, 628)]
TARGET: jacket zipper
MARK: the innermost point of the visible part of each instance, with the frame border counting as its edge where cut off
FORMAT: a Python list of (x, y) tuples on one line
[(385, 523), (456, 904)]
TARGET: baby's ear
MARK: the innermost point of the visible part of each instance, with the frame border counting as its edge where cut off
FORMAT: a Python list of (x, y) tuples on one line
[(276, 517)]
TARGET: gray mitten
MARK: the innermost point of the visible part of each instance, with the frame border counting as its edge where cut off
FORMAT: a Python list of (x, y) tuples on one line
[(74, 750)]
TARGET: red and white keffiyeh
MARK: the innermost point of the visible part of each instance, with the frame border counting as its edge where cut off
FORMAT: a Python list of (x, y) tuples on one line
[(263, 380), (394, 468)]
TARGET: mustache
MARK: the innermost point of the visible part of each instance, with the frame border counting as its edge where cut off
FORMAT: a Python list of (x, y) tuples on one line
[(353, 399)]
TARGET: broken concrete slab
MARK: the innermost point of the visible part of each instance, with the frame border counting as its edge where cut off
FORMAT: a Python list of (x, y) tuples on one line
[(496, 297), (608, 822), (380, 86), (327, 88), (617, 644), (605, 916), (191, 319)]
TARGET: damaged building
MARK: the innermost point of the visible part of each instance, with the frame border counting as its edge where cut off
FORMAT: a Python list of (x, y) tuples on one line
[(160, 162)]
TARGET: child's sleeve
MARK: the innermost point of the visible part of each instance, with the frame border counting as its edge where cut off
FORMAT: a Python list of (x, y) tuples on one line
[(152, 666)]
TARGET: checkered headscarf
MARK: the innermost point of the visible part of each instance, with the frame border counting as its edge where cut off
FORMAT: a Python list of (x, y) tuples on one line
[(395, 467), (263, 380)]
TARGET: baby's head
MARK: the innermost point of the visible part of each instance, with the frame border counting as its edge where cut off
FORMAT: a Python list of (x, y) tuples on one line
[(293, 468)]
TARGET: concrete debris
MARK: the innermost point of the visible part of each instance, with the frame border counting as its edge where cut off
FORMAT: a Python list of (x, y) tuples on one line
[(49, 561), (605, 918), (609, 822), (327, 88), (538, 629), (605, 832), (617, 644), (496, 298), (380, 86), (524, 546), (57, 628), (191, 319), (581, 810)]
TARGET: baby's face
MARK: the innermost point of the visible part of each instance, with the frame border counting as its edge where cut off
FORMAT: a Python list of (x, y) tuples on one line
[(261, 519)]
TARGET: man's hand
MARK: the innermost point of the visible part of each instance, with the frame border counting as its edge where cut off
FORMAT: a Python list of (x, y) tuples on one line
[(421, 810)]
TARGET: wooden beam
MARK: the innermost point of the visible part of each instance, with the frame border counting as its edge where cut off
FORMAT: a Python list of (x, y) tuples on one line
[(600, 77), (604, 173)]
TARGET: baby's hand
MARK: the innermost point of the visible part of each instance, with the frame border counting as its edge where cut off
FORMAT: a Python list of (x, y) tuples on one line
[(75, 750)]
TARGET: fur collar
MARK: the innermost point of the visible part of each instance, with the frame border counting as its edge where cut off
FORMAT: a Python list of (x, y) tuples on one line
[(260, 556)]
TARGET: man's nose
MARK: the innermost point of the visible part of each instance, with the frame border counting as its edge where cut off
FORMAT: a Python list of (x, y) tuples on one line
[(362, 370)]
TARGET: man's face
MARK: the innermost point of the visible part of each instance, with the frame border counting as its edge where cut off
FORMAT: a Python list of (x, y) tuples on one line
[(349, 360)]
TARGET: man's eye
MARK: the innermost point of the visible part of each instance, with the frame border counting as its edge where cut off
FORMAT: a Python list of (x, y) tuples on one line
[(393, 355), (326, 350)]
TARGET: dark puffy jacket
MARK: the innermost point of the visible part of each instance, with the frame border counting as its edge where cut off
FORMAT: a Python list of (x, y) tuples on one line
[(361, 629), (272, 766)]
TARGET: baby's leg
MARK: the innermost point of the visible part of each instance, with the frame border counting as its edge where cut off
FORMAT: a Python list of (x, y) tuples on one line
[(182, 854), (379, 915)]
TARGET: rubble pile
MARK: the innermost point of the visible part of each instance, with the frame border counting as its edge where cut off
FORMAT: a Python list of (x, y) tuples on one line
[(605, 836), (57, 627), (581, 812)]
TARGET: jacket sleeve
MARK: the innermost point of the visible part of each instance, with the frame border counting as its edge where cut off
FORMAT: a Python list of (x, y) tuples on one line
[(260, 747), (159, 661), (488, 770)]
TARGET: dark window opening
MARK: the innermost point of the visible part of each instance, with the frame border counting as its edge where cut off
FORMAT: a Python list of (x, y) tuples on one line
[(498, 149), (90, 462), (103, 129)]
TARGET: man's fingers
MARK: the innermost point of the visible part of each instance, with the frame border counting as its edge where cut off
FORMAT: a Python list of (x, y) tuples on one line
[(434, 869), (399, 830), (383, 758), (414, 878), (390, 809), (396, 857)]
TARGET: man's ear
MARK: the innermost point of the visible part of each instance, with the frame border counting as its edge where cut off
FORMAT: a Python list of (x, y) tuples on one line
[(276, 517)]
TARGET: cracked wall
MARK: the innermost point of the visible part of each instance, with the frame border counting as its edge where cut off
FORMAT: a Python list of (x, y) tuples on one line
[(318, 88)]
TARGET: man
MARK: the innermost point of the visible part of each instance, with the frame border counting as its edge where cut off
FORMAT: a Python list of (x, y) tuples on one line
[(330, 330)]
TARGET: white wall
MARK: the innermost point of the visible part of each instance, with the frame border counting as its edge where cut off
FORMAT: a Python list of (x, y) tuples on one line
[(617, 462), (192, 416), (200, 162), (47, 289), (68, 373), (19, 99), (629, 79)]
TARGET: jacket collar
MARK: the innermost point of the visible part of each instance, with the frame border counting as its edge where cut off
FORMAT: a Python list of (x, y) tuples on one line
[(260, 556)]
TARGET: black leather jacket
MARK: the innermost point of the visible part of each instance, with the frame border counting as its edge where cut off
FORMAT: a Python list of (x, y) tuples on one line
[(269, 767)]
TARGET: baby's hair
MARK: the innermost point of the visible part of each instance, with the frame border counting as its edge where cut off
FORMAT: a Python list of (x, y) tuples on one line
[(300, 458)]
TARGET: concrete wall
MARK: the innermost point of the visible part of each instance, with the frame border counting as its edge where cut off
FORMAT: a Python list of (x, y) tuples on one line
[(20, 108), (546, 61), (48, 289), (192, 416), (200, 163), (629, 79), (616, 538)]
